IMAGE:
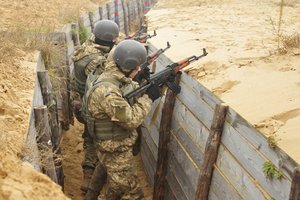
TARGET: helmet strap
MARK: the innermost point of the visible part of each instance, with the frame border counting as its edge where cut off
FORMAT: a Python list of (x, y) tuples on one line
[(104, 43), (124, 72)]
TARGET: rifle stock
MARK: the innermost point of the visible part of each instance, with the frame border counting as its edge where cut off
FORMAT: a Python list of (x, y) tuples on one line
[(166, 76)]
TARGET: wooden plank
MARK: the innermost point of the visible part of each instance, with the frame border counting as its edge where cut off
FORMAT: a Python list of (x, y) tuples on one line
[(252, 161), (86, 20), (247, 187), (211, 151), (221, 188), (169, 193), (155, 114), (32, 156), (104, 12), (186, 141), (181, 156), (182, 179), (163, 145), (148, 139), (148, 161), (259, 141), (184, 175), (201, 91), (153, 133), (96, 16), (112, 9), (295, 188), (184, 119), (44, 141), (49, 101), (175, 186), (200, 109), (68, 31)]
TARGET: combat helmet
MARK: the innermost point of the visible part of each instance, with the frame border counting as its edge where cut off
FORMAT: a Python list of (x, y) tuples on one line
[(106, 30), (129, 54)]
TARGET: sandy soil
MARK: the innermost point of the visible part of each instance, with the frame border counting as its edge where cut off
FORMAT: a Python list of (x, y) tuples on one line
[(18, 180), (73, 154), (244, 67)]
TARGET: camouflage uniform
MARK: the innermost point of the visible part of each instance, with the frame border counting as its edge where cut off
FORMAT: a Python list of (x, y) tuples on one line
[(96, 61), (112, 124)]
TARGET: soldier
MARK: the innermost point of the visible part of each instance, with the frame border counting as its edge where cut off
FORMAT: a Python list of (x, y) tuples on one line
[(112, 119), (87, 58)]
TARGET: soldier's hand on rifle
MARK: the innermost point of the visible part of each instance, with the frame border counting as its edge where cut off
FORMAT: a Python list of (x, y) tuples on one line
[(153, 92)]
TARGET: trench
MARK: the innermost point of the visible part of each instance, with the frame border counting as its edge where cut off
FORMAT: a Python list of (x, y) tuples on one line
[(72, 157), (60, 131)]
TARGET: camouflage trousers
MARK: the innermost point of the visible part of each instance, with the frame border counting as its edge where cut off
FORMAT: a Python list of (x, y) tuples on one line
[(117, 159), (90, 158)]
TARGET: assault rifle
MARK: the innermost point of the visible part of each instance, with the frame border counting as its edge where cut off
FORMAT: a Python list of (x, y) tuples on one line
[(144, 73), (141, 31), (141, 38), (166, 76)]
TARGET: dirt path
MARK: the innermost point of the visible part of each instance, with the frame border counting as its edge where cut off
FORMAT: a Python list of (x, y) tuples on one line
[(73, 153)]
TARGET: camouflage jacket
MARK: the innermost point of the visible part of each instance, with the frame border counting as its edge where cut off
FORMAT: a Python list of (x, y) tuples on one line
[(87, 48), (107, 102)]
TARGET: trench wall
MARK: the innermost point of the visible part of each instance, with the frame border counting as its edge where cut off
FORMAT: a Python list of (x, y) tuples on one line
[(238, 171), (129, 15)]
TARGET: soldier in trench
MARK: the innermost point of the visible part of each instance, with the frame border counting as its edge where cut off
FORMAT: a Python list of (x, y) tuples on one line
[(112, 120), (90, 57)]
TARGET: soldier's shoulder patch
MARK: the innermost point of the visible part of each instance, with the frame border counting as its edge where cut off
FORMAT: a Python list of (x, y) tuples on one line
[(119, 110)]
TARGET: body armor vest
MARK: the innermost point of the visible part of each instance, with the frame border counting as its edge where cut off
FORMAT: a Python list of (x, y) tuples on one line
[(102, 129), (79, 72)]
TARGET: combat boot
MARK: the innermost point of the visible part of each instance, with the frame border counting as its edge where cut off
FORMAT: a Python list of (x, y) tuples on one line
[(87, 176)]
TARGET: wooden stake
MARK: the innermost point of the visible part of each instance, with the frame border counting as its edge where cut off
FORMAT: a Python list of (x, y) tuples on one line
[(163, 145), (129, 16), (49, 101), (44, 141), (211, 152), (101, 13), (295, 188), (75, 35), (125, 17), (108, 11), (91, 18)]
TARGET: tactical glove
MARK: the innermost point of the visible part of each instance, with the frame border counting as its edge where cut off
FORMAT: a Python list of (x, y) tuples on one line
[(153, 92)]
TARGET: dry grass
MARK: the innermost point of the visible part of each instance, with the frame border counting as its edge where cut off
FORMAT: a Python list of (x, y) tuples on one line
[(285, 41), (290, 41)]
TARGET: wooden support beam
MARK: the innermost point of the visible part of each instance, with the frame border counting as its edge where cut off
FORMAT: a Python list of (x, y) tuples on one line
[(128, 16), (44, 141), (211, 152), (125, 17), (139, 12), (295, 188), (101, 13), (68, 85), (91, 18), (163, 145), (108, 11), (75, 34), (49, 101)]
